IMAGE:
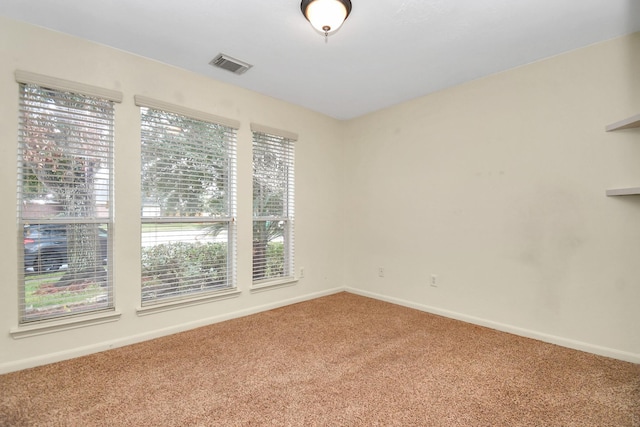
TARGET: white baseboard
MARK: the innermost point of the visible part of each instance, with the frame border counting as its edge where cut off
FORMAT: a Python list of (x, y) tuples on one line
[(134, 339), (552, 339), (108, 345)]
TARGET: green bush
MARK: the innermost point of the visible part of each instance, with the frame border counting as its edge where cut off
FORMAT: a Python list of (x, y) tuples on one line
[(173, 269), (275, 260), (176, 268)]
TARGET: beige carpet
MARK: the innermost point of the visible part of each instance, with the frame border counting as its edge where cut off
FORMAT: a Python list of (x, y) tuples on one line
[(341, 360)]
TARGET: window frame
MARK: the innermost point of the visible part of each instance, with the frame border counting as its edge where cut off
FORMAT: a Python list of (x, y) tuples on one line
[(32, 105), (181, 298), (280, 142)]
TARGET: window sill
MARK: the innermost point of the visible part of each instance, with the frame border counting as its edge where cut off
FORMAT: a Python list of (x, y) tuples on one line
[(266, 285), (176, 304), (48, 327)]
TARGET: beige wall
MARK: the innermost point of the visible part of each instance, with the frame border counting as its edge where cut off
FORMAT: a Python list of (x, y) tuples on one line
[(498, 187), (319, 195)]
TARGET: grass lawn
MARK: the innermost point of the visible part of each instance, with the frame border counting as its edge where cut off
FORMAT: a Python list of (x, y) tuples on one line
[(41, 292)]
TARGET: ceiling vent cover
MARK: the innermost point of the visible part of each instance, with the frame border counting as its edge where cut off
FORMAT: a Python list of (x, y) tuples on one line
[(230, 64)]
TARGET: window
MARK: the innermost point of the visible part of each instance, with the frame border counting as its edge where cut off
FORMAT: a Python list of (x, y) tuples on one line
[(65, 167), (273, 186), (188, 203)]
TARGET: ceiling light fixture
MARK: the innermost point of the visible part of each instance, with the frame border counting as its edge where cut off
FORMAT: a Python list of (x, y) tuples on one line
[(326, 16)]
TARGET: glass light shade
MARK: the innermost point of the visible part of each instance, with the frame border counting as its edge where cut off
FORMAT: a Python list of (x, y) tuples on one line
[(326, 15)]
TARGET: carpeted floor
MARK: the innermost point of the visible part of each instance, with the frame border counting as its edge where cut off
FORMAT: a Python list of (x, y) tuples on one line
[(341, 360)]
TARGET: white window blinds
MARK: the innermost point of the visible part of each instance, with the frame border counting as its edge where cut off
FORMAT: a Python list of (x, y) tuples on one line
[(188, 205), (273, 206), (65, 169)]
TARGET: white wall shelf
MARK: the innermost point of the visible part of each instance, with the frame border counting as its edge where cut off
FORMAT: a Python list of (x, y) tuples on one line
[(628, 123), (633, 191)]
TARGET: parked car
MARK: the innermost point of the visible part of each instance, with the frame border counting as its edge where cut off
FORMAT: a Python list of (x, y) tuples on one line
[(45, 246)]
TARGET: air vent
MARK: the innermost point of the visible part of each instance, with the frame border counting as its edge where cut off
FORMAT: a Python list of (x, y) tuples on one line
[(230, 64)]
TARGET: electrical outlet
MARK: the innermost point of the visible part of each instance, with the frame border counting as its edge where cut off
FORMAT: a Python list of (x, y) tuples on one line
[(380, 272), (301, 272), (434, 280)]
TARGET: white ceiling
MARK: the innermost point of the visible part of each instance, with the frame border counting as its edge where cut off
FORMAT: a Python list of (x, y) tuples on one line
[(388, 51)]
